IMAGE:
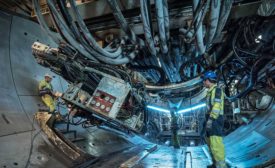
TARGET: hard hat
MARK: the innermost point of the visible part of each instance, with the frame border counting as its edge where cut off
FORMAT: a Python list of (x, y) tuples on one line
[(209, 75), (48, 75)]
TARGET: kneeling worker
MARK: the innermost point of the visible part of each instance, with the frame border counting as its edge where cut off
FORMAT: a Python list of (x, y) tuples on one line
[(46, 92), (215, 120)]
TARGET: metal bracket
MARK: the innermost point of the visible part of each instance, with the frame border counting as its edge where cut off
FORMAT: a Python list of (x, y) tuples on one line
[(45, 121)]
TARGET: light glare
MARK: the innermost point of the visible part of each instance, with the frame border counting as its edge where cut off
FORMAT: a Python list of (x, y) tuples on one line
[(180, 111), (192, 108), (158, 109), (258, 39)]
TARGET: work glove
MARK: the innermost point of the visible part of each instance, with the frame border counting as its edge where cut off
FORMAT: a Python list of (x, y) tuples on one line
[(57, 94), (209, 124), (45, 91)]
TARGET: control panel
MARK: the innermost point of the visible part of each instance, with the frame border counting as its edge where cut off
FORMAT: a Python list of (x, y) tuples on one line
[(102, 102)]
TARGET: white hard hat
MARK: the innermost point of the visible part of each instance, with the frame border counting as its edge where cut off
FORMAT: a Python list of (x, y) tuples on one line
[(48, 75)]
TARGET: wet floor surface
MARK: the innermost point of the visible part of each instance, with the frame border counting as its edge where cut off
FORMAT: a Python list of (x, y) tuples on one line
[(168, 157), (117, 151)]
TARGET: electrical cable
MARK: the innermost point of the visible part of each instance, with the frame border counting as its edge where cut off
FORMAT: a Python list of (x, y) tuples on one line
[(86, 33), (166, 19), (191, 34), (123, 23), (93, 53), (161, 27), (44, 26), (252, 77), (214, 19), (66, 31), (234, 49), (224, 14), (199, 32), (146, 68), (72, 24), (147, 26), (194, 22)]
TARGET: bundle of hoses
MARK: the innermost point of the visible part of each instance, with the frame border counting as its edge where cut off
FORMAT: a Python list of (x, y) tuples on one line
[(77, 35)]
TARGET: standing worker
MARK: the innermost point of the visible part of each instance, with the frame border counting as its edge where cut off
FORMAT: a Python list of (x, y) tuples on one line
[(214, 118), (46, 92), (174, 128)]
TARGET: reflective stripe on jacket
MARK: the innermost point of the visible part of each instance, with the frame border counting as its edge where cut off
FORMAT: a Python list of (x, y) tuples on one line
[(44, 87), (215, 101), (215, 104)]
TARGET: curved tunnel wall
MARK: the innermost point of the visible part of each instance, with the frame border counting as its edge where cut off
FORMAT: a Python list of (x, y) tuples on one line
[(246, 147), (19, 94), (19, 100), (20, 73), (253, 144)]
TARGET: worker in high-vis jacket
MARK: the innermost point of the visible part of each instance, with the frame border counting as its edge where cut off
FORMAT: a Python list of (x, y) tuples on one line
[(214, 118), (46, 92)]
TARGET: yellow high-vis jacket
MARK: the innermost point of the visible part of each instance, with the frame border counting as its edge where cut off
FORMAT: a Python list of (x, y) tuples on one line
[(45, 87), (45, 91), (215, 101)]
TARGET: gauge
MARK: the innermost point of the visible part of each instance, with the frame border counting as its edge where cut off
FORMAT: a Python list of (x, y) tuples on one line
[(107, 98), (97, 104), (102, 106), (112, 100)]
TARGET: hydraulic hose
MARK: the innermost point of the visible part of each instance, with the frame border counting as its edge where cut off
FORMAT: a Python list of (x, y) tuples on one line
[(234, 49), (147, 27), (224, 14), (161, 27), (196, 61), (65, 31), (44, 26), (199, 33), (166, 19), (196, 14), (214, 18), (123, 23), (165, 67), (187, 34), (198, 17), (184, 85), (146, 68), (86, 33), (252, 78), (67, 18), (73, 27)]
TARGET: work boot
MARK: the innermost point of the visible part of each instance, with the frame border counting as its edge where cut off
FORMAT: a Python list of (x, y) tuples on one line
[(176, 146), (211, 166), (221, 164)]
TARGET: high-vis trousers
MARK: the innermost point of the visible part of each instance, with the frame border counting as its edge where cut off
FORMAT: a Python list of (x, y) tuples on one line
[(175, 139), (49, 102), (216, 146)]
